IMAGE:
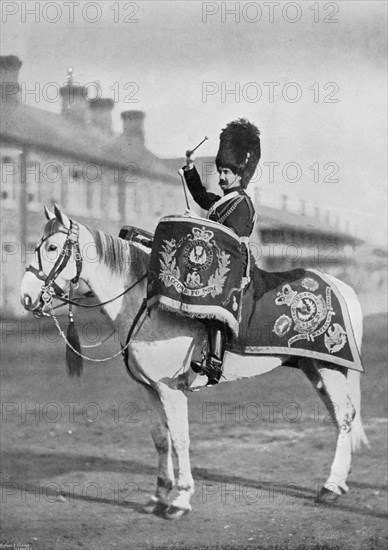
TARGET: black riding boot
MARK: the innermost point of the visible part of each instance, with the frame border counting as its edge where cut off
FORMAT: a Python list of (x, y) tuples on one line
[(217, 334)]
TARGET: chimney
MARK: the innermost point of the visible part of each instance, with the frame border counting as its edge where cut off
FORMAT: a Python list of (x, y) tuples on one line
[(284, 202), (303, 208), (101, 113), (133, 125), (9, 77), (75, 101)]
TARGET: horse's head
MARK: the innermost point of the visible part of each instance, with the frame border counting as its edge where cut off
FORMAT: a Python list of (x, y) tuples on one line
[(57, 263)]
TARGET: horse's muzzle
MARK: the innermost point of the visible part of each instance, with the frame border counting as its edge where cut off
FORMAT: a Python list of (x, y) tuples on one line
[(37, 307)]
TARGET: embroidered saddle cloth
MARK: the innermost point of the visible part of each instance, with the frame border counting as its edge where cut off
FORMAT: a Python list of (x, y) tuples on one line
[(298, 313), (197, 268)]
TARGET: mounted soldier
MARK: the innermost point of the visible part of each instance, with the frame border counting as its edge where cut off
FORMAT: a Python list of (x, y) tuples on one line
[(236, 162)]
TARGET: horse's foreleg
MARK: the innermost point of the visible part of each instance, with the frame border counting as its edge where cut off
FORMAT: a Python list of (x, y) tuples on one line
[(162, 440), (175, 407), (336, 395)]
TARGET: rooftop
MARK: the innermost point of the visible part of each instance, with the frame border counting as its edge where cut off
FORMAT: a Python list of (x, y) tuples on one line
[(26, 126)]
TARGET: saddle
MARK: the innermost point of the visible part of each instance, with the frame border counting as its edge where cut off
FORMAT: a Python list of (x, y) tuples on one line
[(136, 235)]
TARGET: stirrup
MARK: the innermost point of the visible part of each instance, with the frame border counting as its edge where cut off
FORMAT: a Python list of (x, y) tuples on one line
[(214, 373), (212, 369), (197, 366)]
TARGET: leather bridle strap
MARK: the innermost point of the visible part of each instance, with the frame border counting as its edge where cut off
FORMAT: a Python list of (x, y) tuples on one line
[(100, 304), (61, 262), (40, 275)]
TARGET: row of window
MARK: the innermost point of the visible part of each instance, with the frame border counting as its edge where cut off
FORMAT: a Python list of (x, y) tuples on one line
[(270, 236), (82, 196), (70, 190)]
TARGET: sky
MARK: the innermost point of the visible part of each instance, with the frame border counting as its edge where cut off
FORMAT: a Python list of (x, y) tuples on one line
[(311, 75)]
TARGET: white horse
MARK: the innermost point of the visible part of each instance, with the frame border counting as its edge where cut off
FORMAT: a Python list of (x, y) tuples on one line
[(162, 345)]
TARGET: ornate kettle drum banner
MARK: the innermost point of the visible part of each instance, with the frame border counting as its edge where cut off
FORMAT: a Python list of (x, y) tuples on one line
[(196, 268)]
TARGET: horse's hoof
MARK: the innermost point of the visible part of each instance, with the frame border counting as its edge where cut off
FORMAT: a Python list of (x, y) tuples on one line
[(326, 496), (174, 512), (150, 506), (155, 506)]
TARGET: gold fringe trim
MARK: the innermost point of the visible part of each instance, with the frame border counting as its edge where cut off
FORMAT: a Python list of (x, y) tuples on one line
[(196, 311)]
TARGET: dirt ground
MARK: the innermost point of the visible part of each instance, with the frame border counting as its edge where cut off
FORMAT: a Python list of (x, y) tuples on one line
[(78, 463)]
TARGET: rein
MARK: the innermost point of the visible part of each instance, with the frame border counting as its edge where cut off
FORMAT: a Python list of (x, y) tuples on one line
[(90, 306), (124, 349)]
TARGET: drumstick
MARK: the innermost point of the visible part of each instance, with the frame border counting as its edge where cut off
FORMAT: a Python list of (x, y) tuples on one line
[(189, 153)]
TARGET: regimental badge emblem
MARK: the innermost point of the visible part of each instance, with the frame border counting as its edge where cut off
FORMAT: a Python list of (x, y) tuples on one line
[(282, 325), (198, 252), (308, 311), (310, 284), (335, 338), (206, 264)]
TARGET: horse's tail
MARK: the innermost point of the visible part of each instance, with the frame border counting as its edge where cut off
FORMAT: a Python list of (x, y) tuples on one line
[(357, 433)]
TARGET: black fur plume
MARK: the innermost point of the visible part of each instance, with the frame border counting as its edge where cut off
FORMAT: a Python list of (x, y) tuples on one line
[(240, 149)]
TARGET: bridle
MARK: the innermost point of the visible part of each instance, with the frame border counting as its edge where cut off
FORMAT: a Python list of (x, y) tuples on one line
[(50, 288)]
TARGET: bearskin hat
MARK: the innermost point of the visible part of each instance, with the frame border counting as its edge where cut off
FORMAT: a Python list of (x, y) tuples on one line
[(239, 149)]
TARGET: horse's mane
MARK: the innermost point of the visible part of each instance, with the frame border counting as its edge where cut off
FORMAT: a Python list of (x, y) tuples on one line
[(119, 255)]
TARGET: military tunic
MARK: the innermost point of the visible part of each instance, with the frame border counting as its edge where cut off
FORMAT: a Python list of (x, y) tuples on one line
[(234, 210)]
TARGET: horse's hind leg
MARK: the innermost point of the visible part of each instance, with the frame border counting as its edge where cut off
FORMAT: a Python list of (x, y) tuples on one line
[(175, 407), (332, 387), (162, 440)]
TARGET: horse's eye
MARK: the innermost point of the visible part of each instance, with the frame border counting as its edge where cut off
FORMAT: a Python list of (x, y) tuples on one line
[(52, 247)]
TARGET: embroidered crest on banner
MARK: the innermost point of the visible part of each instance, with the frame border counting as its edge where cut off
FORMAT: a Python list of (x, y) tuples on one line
[(308, 311), (310, 284), (198, 250), (335, 338), (282, 325)]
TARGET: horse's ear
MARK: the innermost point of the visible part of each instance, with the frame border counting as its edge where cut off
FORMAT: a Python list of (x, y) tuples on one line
[(49, 215), (62, 218)]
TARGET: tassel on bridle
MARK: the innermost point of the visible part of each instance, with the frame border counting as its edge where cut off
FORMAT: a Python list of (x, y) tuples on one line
[(74, 361)]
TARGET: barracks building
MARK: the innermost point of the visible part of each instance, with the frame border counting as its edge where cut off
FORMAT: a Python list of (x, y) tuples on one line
[(107, 180)]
